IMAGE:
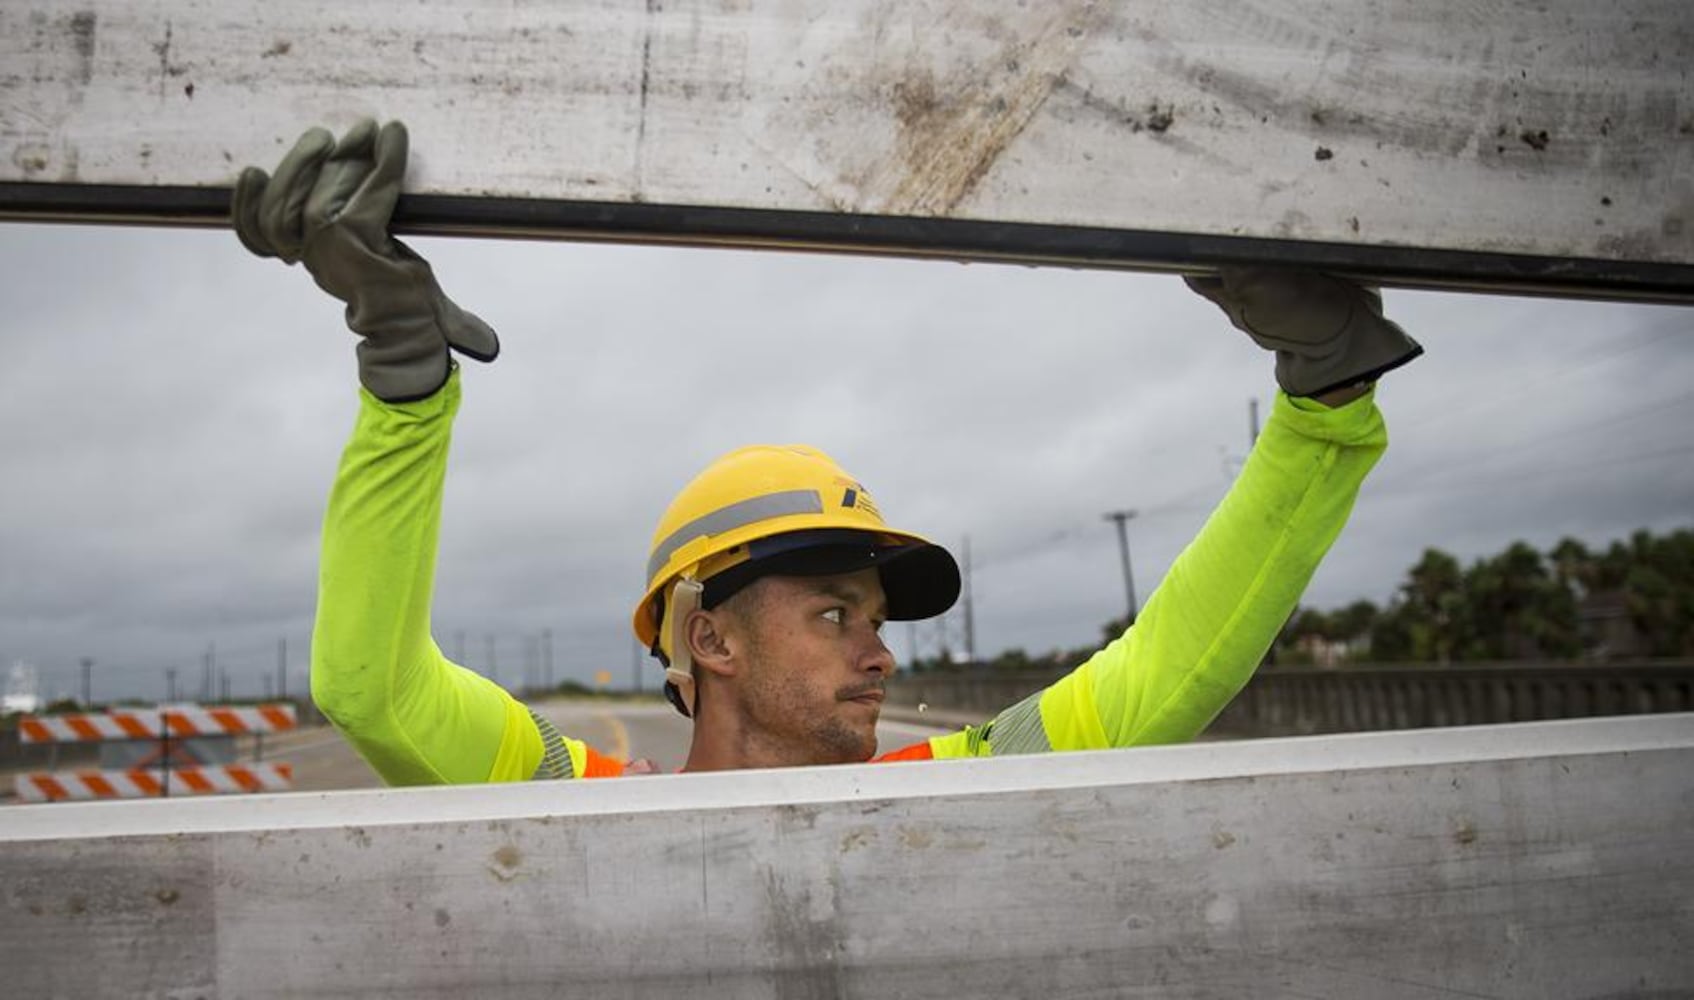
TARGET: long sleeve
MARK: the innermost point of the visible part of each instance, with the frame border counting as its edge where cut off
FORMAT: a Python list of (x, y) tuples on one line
[(1221, 605), (377, 674)]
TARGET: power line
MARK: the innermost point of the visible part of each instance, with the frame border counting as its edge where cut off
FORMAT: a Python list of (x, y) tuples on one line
[(1200, 498), (1464, 404), (1559, 436), (1574, 468)]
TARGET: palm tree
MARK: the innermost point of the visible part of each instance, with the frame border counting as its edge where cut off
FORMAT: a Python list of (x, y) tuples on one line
[(1573, 566), (1433, 594)]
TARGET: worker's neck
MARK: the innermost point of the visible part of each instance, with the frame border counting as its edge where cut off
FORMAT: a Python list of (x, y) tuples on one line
[(724, 742)]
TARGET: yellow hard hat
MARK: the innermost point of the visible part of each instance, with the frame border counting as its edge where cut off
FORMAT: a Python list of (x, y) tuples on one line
[(769, 509)]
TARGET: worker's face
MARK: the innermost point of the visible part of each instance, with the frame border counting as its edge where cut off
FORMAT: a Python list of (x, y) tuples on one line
[(814, 666)]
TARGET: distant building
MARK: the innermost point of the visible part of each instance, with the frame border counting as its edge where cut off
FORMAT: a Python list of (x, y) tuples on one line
[(1608, 631), (22, 692), (1330, 653), (1312, 648)]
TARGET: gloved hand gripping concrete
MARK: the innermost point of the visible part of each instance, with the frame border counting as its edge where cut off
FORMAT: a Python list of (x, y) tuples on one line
[(328, 206), (1328, 333)]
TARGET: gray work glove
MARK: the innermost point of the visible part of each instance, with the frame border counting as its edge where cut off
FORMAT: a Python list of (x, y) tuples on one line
[(1328, 333), (328, 206)]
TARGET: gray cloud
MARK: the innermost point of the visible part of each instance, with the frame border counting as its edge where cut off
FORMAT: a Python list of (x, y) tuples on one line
[(173, 410)]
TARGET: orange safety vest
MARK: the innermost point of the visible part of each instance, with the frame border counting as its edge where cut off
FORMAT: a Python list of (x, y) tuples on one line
[(602, 766)]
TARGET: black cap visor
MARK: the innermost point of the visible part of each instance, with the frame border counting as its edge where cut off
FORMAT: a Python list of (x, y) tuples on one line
[(920, 580)]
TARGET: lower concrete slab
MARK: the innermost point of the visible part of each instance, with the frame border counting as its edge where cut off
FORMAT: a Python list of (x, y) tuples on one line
[(1539, 860)]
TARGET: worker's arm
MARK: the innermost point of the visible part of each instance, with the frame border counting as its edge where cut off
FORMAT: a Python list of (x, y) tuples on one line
[(1224, 600), (1206, 628), (376, 672)]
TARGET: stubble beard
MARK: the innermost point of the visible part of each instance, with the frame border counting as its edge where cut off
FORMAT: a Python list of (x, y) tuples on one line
[(783, 712), (842, 743)]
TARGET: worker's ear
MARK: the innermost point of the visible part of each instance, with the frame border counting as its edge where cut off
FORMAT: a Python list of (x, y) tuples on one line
[(711, 648)]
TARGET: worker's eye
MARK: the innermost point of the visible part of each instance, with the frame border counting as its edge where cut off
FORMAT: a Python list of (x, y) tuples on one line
[(836, 615)]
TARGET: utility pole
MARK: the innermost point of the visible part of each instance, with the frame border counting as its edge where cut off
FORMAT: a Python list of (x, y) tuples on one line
[(1121, 518), (281, 669), (531, 663), (87, 682), (547, 658), (970, 616), (170, 684)]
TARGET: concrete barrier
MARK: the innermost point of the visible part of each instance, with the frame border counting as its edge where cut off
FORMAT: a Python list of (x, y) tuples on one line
[(1358, 699), (1304, 701), (1541, 147), (1541, 860)]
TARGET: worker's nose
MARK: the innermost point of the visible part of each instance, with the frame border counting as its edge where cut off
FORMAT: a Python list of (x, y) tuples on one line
[(878, 659)]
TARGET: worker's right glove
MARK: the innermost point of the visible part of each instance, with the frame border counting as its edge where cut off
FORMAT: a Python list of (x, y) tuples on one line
[(328, 206), (1328, 333)]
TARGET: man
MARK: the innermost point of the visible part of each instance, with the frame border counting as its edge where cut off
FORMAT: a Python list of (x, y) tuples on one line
[(772, 572)]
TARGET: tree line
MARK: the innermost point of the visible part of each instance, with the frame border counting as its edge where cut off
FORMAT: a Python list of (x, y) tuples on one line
[(1631, 599), (1634, 598)]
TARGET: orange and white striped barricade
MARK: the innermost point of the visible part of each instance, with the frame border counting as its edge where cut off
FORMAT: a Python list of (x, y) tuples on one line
[(153, 782), (180, 749), (174, 721)]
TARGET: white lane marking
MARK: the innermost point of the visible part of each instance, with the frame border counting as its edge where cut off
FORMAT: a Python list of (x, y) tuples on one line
[(301, 748), (620, 735)]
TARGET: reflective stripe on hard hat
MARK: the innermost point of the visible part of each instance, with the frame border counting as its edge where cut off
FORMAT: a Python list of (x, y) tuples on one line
[(736, 515)]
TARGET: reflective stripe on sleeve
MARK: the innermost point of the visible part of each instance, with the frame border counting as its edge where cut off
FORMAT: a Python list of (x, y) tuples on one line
[(556, 759), (1059, 717), (1069, 715), (1019, 729), (967, 742)]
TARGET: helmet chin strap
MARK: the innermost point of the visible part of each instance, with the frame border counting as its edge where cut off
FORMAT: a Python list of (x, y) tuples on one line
[(685, 598)]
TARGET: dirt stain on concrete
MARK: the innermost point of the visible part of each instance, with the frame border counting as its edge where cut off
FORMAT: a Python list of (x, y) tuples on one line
[(84, 25), (951, 131)]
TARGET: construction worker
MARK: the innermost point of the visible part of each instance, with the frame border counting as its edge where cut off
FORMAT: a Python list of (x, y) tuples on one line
[(771, 573)]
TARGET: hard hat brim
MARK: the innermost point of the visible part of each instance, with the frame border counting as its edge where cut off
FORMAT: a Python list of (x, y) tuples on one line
[(919, 579)]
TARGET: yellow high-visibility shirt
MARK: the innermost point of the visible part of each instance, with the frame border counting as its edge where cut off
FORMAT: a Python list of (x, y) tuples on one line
[(419, 718)]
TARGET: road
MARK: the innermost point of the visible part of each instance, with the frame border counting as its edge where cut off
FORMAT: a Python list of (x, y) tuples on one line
[(323, 761)]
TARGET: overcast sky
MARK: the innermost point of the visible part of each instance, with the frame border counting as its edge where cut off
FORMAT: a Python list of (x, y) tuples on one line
[(172, 410)]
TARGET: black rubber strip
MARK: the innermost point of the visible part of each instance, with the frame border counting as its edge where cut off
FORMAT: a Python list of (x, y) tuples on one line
[(961, 239)]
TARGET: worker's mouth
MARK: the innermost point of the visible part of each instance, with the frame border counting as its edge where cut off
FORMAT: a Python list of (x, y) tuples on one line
[(866, 696)]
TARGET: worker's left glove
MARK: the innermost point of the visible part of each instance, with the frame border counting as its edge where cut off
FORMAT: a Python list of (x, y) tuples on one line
[(328, 207), (1328, 333)]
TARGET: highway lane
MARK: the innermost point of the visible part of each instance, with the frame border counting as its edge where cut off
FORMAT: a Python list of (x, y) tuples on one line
[(323, 761)]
